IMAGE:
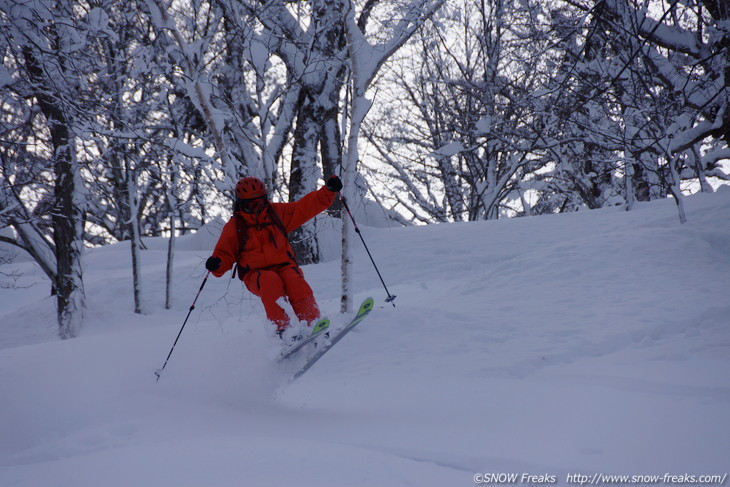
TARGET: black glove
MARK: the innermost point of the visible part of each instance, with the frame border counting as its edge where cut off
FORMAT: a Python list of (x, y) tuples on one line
[(212, 264), (334, 184)]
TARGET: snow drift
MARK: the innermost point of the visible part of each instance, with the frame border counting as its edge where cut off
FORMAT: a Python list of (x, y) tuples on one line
[(586, 343)]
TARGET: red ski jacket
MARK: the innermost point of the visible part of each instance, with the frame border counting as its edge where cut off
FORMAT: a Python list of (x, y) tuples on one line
[(266, 244)]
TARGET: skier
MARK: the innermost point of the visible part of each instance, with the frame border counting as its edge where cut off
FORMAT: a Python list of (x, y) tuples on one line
[(255, 241)]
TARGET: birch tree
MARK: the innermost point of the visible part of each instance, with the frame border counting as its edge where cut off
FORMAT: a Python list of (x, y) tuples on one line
[(664, 67), (118, 127), (583, 105), (367, 55), (466, 113), (42, 194)]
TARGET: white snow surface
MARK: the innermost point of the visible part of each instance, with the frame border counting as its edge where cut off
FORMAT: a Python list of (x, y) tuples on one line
[(595, 342)]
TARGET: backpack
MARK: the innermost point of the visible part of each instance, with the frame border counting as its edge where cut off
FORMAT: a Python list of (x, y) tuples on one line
[(242, 233)]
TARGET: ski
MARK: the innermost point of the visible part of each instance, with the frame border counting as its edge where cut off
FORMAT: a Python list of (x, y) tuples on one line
[(318, 328), (364, 310)]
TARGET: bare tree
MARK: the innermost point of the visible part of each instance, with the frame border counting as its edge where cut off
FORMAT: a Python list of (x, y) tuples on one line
[(367, 57), (656, 73), (530, 107), (44, 45), (456, 143)]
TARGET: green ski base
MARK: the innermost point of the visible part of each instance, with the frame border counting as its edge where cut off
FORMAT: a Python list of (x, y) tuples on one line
[(365, 308)]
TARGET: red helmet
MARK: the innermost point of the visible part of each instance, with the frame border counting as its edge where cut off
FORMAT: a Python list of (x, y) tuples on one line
[(250, 188)]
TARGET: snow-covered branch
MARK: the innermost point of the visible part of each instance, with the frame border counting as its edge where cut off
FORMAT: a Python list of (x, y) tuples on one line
[(196, 84)]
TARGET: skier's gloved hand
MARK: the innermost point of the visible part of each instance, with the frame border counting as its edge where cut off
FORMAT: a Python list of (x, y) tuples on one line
[(213, 263), (334, 184)]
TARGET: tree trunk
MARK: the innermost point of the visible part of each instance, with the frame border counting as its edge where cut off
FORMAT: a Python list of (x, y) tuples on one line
[(135, 238), (305, 173), (68, 235), (68, 213), (170, 260)]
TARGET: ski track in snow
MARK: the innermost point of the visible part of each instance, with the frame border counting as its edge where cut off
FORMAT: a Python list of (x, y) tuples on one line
[(592, 342)]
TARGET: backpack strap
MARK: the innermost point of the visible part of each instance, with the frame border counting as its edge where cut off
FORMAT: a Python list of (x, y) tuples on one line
[(242, 235), (276, 220)]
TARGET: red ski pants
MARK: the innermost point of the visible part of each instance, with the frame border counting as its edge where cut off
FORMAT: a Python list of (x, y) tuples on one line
[(283, 282)]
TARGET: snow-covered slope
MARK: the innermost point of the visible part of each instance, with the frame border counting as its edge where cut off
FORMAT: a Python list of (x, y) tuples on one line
[(588, 343)]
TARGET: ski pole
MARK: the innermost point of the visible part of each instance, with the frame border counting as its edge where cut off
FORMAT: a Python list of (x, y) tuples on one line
[(390, 297), (192, 307)]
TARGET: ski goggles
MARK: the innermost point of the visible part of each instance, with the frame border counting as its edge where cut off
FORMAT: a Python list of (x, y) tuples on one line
[(254, 205)]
